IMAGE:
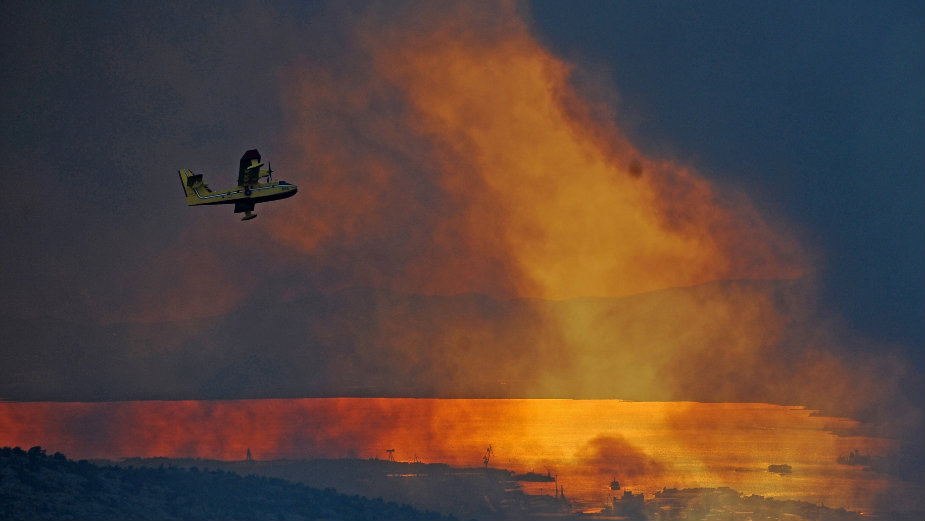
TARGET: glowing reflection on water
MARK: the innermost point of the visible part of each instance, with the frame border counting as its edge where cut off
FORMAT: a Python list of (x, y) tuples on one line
[(585, 443)]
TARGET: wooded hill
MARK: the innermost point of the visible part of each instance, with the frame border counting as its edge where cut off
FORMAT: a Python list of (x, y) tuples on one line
[(34, 485)]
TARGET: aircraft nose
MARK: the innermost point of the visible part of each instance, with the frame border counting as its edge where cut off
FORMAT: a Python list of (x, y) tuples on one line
[(289, 189)]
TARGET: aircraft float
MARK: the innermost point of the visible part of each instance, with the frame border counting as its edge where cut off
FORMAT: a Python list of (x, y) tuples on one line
[(248, 193)]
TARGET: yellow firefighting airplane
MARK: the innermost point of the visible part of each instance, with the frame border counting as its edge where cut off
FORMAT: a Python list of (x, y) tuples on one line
[(249, 191)]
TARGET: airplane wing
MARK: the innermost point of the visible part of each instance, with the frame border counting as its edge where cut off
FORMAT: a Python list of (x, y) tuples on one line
[(249, 171)]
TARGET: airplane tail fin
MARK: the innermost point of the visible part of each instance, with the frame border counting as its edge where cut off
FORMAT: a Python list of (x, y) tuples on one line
[(191, 184)]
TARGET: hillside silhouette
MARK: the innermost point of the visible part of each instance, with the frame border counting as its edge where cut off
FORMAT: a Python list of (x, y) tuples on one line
[(34, 485)]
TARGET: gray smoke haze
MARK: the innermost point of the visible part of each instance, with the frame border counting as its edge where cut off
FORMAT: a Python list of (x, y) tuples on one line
[(440, 150)]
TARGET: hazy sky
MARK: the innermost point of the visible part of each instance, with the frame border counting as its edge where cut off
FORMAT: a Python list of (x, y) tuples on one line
[(810, 113), (814, 109)]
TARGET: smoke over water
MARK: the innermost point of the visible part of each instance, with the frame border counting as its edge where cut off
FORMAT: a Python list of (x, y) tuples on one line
[(447, 151), (585, 443), (441, 150)]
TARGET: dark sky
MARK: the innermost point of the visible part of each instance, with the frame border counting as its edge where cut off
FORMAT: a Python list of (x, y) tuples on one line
[(815, 111)]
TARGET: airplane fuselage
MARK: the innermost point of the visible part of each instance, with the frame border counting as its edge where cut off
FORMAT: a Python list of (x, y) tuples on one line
[(243, 197), (260, 193)]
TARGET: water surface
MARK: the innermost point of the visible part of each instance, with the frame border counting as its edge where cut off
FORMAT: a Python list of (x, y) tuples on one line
[(583, 443)]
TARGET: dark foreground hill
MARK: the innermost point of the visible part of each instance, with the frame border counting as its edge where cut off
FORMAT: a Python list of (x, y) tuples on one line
[(34, 485)]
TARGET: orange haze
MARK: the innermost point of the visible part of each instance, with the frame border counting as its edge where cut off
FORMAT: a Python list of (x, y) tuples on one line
[(585, 442), (442, 149), (452, 153)]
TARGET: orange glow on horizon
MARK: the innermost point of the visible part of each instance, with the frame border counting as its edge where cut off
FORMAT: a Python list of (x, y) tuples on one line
[(647, 445), (442, 151)]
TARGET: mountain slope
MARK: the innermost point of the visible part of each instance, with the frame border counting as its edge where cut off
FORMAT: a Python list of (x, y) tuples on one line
[(36, 486)]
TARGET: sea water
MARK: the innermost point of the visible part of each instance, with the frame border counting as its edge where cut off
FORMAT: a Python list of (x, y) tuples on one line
[(583, 444)]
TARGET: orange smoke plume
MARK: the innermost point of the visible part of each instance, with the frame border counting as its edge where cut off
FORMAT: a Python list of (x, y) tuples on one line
[(448, 151), (612, 454), (441, 149), (451, 153)]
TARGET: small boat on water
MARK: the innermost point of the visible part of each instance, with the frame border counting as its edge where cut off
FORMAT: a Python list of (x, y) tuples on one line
[(780, 469)]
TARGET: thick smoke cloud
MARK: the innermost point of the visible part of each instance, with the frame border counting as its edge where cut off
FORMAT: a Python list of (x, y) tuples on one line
[(439, 150), (450, 147), (451, 153), (614, 455)]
